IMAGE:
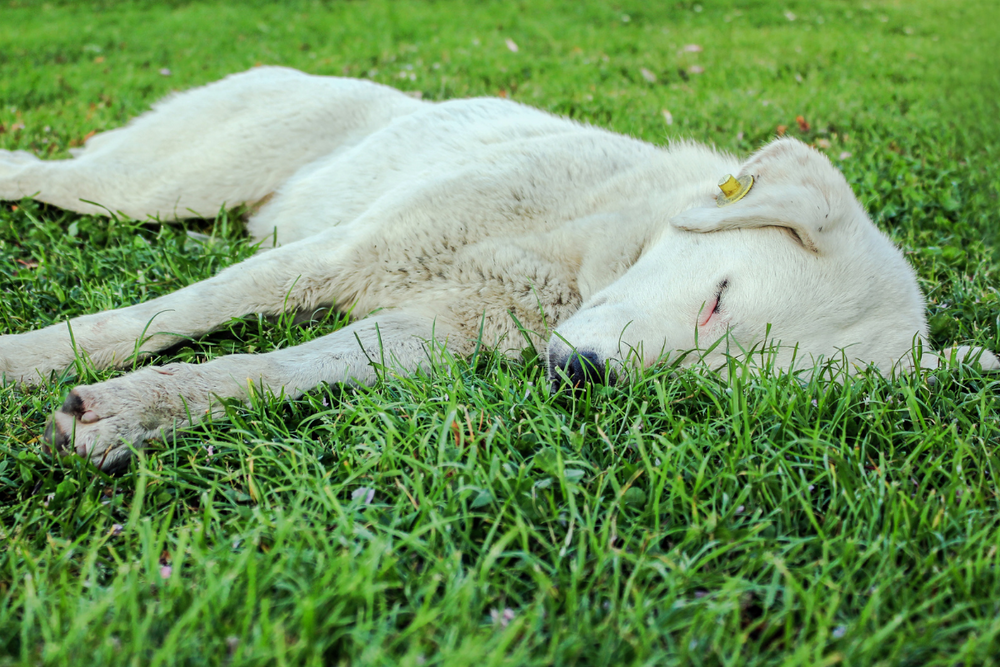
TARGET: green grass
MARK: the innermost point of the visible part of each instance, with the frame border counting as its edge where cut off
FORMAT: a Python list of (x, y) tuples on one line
[(469, 517)]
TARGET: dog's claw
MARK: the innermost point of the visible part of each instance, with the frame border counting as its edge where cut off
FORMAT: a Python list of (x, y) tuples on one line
[(55, 441), (60, 430)]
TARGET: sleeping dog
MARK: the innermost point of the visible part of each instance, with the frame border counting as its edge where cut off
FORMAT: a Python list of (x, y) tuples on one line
[(452, 224)]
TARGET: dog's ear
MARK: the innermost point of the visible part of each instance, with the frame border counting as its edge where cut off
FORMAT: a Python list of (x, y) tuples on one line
[(786, 184), (792, 208)]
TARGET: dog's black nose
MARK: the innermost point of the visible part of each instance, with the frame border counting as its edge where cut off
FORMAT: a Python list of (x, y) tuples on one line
[(584, 367)]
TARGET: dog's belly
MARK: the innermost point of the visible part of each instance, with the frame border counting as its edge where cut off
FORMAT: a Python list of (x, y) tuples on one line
[(515, 165)]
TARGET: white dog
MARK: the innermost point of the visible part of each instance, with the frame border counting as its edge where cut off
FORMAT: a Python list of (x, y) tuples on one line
[(464, 222)]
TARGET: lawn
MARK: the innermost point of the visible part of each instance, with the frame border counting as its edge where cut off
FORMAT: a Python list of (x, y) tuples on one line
[(469, 516)]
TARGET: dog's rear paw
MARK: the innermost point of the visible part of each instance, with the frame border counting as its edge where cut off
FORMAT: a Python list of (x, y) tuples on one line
[(11, 375), (28, 359), (17, 157), (13, 163)]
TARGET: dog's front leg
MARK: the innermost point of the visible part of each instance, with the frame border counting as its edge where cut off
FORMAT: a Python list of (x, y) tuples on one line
[(297, 277), (102, 421)]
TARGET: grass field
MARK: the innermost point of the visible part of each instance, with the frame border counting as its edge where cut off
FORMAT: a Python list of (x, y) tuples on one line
[(469, 517)]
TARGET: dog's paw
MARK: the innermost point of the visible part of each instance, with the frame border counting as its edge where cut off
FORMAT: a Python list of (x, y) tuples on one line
[(22, 377), (12, 165), (9, 373), (89, 427), (26, 360), (104, 422), (17, 157), (982, 357)]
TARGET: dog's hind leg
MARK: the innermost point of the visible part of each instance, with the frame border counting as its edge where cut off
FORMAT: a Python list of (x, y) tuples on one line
[(228, 143), (298, 277), (100, 421)]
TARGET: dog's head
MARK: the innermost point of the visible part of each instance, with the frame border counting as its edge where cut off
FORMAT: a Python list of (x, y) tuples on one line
[(795, 264)]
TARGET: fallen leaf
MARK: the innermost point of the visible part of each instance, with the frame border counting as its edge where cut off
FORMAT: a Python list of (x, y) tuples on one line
[(822, 143), (30, 264), (669, 117), (511, 45), (99, 59), (502, 93), (781, 130), (803, 123), (89, 135), (647, 75)]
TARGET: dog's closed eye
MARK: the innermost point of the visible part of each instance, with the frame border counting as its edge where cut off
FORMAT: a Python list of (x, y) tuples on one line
[(714, 306), (718, 294)]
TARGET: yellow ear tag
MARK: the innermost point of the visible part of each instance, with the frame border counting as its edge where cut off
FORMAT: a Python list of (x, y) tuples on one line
[(733, 189)]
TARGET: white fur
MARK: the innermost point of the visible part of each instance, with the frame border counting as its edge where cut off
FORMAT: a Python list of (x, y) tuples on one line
[(455, 220)]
